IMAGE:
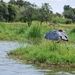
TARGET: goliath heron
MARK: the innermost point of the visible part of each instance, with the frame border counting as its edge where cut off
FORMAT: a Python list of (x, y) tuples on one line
[(56, 35)]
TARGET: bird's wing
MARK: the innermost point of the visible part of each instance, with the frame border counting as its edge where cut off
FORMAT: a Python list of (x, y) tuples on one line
[(52, 35)]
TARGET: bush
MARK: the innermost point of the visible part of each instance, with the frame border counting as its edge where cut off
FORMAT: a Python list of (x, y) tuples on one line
[(73, 30), (34, 32), (59, 20), (56, 20), (68, 21)]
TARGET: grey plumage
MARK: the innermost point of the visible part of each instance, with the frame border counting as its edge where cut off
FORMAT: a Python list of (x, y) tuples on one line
[(56, 35)]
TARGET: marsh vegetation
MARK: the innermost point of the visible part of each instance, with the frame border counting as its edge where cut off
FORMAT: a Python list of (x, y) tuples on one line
[(40, 51)]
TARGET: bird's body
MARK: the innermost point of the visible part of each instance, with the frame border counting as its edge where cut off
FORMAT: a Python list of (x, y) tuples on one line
[(57, 35)]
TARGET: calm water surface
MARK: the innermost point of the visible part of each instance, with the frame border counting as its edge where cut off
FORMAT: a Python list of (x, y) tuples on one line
[(13, 67)]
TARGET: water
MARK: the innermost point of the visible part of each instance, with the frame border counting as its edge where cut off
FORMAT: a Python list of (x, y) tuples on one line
[(13, 67)]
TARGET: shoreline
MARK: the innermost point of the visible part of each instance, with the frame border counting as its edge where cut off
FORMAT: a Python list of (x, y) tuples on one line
[(41, 64)]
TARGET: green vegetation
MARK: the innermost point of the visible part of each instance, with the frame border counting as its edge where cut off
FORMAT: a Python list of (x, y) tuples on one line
[(41, 51), (20, 32), (12, 31), (47, 54), (20, 20), (24, 11), (34, 32)]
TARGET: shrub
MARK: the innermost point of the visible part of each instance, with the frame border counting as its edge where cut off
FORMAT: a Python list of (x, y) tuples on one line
[(68, 21), (73, 30), (34, 32)]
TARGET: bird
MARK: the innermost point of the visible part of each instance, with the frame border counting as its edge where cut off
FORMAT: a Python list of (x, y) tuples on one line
[(53, 25), (56, 35)]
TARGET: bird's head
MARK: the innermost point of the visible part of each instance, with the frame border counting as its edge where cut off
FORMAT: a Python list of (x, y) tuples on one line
[(63, 35), (60, 30)]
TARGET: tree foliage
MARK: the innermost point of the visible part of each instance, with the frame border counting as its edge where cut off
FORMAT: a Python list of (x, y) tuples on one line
[(45, 13), (3, 11), (12, 13), (24, 11), (69, 13)]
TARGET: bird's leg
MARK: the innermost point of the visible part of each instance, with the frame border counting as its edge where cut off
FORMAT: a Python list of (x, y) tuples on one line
[(58, 41), (66, 44)]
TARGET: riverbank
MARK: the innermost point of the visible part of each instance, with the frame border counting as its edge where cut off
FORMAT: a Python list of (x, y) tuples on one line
[(47, 54)]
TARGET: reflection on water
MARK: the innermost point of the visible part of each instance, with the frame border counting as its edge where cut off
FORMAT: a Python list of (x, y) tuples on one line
[(62, 71), (13, 67)]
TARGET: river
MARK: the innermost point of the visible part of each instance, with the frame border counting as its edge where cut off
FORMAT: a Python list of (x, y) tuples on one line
[(13, 67)]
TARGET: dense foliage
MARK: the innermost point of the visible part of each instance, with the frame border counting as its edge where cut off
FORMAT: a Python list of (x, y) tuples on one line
[(69, 13), (24, 11)]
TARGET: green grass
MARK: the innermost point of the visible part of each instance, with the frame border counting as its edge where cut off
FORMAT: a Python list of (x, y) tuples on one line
[(34, 32), (41, 51), (49, 53), (13, 31), (20, 32)]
